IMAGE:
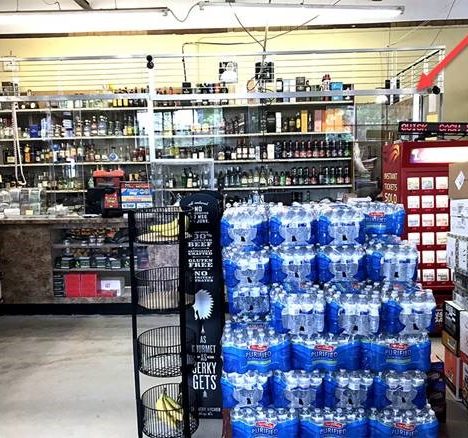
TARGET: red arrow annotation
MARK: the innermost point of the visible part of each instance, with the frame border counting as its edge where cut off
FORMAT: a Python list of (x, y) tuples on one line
[(426, 80)]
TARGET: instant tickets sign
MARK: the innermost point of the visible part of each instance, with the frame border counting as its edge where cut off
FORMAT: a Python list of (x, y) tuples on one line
[(391, 169), (206, 315)]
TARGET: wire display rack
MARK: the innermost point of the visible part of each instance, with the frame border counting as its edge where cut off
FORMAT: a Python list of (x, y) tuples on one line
[(164, 410)]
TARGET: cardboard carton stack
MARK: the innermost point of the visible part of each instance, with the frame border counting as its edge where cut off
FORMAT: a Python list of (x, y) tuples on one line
[(455, 315)]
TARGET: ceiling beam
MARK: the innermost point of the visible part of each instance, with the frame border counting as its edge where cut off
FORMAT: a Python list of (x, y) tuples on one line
[(83, 4)]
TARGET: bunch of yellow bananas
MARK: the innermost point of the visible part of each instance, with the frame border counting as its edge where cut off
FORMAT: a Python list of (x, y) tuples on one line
[(169, 411), (170, 229)]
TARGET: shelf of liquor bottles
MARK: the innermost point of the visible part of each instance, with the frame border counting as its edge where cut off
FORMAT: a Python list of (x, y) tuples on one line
[(81, 163), (262, 188)]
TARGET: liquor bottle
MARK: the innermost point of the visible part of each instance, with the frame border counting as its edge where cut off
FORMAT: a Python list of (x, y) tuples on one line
[(347, 177), (237, 177), (332, 178), (285, 124), (227, 153), (348, 149), (316, 151), (195, 180), (298, 122), (183, 178), (334, 152), (339, 175), (326, 175), (339, 149), (94, 126), (245, 151), (297, 150), (221, 155), (327, 149), (303, 151), (233, 153), (300, 176), (294, 176), (238, 150), (282, 180), (321, 177), (276, 179), (251, 152), (27, 153), (292, 124), (307, 176), (289, 150), (307, 89), (309, 152), (256, 177), (314, 177), (244, 179), (189, 183), (250, 178), (220, 180), (322, 150), (310, 122), (263, 176), (288, 180), (271, 178), (284, 151)]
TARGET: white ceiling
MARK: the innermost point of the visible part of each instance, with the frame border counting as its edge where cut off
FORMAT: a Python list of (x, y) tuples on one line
[(415, 10)]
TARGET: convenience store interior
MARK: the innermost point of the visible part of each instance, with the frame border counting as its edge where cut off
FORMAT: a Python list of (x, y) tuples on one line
[(112, 112)]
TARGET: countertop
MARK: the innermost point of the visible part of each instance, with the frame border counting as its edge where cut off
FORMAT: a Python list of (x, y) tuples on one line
[(62, 220)]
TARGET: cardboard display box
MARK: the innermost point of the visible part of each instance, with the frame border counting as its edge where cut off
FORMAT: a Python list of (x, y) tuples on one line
[(451, 343), (464, 390), (463, 339), (451, 318), (453, 373), (458, 181)]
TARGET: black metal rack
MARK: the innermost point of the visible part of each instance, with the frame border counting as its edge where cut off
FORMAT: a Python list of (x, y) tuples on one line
[(167, 410)]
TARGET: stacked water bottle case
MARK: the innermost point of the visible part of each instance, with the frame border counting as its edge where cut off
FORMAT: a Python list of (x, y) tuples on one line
[(328, 329)]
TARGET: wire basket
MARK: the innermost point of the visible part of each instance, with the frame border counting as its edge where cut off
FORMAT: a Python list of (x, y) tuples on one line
[(159, 225), (166, 421), (158, 289), (160, 353)]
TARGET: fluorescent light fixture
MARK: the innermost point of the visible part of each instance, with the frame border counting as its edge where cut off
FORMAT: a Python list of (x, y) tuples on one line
[(277, 10), (207, 14)]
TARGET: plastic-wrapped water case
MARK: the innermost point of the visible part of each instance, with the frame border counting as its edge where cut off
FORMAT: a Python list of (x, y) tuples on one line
[(249, 389), (405, 390), (325, 352), (298, 389), (341, 263), (292, 225), (261, 423), (293, 264), (408, 312), (249, 300), (399, 353), (382, 218), (349, 389), (340, 224), (244, 225), (391, 262), (416, 423), (320, 423), (246, 268), (256, 350), (298, 313), (353, 313)]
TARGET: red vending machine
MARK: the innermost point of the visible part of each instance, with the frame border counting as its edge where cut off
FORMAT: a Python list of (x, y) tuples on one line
[(415, 174)]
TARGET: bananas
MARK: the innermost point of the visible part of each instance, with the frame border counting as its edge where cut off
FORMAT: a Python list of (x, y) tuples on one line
[(169, 411), (170, 229)]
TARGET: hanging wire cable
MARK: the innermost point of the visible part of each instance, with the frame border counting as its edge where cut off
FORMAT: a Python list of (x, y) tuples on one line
[(53, 3)]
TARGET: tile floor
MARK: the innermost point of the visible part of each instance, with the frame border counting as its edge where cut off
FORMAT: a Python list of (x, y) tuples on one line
[(72, 377)]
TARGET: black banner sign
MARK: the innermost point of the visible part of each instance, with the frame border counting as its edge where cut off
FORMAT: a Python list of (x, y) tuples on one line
[(454, 128), (206, 316)]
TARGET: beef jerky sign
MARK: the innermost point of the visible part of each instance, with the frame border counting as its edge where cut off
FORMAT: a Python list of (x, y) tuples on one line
[(206, 317)]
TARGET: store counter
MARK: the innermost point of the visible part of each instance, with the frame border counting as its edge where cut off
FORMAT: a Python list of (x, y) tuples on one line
[(27, 256)]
